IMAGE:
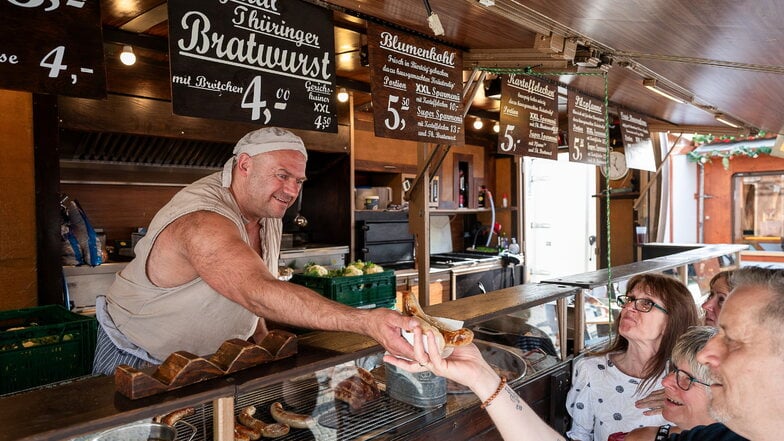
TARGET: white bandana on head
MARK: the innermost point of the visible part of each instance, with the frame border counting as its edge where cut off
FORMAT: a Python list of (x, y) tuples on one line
[(263, 140)]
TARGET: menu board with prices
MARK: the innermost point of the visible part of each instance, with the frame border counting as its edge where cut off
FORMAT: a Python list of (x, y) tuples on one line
[(52, 46), (587, 129), (529, 117), (417, 87), (637, 142), (269, 62)]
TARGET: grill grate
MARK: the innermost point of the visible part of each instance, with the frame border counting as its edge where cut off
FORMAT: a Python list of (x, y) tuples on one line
[(336, 420), (202, 420)]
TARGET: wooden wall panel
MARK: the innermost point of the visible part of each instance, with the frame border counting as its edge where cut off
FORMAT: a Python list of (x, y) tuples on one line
[(119, 209), (143, 116), (17, 202)]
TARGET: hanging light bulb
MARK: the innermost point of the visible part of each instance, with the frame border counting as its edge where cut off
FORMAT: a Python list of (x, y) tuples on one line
[(342, 95), (478, 124), (127, 57), (496, 127)]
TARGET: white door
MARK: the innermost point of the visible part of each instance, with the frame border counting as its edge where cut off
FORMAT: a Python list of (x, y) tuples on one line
[(560, 217)]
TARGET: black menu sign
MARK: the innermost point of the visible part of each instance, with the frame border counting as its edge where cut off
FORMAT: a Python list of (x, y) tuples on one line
[(417, 87), (269, 62), (529, 117), (637, 144), (52, 46), (587, 129)]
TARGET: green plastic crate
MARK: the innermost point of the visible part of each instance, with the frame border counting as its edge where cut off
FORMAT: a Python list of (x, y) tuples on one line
[(53, 344), (366, 291)]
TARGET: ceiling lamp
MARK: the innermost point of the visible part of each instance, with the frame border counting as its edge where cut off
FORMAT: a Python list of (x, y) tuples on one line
[(478, 124), (342, 95), (127, 57), (493, 88), (496, 127), (653, 86), (720, 117)]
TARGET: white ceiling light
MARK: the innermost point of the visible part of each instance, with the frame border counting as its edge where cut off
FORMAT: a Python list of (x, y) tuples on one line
[(127, 57), (720, 117), (342, 95), (496, 127), (478, 124), (652, 85)]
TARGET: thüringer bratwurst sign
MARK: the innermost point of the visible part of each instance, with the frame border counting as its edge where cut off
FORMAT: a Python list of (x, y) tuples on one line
[(269, 62)]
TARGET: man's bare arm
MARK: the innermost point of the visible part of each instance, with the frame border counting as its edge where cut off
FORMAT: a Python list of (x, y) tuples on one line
[(213, 247)]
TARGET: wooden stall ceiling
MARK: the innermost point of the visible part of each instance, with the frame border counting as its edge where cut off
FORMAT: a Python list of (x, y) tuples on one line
[(17, 203), (724, 53)]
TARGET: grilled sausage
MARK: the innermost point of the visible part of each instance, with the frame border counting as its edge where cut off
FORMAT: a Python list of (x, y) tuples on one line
[(358, 389), (239, 435), (273, 430), (172, 418), (459, 337), (253, 434), (296, 420)]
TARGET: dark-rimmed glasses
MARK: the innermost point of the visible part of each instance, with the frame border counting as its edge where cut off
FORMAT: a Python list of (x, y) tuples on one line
[(684, 379), (642, 305)]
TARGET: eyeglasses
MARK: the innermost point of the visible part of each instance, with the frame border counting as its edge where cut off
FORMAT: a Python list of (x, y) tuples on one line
[(683, 379), (642, 305)]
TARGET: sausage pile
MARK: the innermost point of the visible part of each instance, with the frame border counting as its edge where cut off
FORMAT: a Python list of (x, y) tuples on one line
[(358, 389)]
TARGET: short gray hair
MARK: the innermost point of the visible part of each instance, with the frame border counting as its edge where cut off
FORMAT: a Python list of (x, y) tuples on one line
[(688, 345), (771, 280)]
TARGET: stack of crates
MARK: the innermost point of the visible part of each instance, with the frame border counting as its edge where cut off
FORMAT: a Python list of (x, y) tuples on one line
[(43, 345), (365, 291)]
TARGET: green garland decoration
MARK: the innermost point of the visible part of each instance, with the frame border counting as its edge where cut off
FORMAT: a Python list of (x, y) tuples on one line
[(706, 157)]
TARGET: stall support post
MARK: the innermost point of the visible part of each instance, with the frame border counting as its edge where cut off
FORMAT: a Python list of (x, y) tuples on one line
[(223, 419), (419, 221)]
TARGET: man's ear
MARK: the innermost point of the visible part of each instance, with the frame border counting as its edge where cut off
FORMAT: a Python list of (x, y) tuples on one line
[(244, 163)]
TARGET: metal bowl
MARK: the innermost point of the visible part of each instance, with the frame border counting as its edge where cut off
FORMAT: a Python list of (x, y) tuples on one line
[(145, 431), (504, 359)]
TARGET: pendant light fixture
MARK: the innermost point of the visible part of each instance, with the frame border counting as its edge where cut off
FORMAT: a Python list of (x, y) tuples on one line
[(127, 57)]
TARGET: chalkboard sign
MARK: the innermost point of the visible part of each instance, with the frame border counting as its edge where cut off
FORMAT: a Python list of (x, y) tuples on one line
[(637, 142), (587, 129), (529, 117), (52, 46), (269, 62), (417, 87)]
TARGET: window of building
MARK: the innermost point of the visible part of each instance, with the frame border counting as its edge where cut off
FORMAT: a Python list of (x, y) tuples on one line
[(758, 217)]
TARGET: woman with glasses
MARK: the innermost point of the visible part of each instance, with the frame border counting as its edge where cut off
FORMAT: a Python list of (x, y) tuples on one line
[(655, 311), (687, 393)]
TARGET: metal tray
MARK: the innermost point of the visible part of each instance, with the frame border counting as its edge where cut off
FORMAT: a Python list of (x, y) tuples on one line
[(504, 359)]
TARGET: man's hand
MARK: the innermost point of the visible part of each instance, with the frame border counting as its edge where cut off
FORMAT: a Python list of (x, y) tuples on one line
[(385, 326), (653, 402)]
